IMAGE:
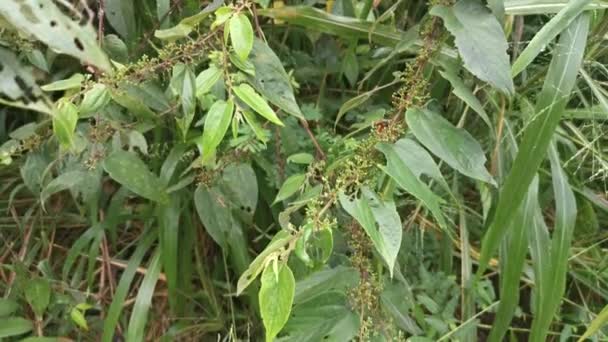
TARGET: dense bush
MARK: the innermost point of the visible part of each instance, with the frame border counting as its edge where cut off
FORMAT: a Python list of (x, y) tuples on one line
[(314, 171)]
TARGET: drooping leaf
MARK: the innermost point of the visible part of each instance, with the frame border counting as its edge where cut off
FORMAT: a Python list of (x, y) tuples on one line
[(276, 297), (380, 221), (64, 122), (127, 169), (241, 35), (121, 16), (183, 84), (397, 168), (271, 80), (453, 145), (45, 21), (290, 187), (566, 61), (216, 125), (466, 95), (280, 240), (547, 33), (480, 41), (212, 208), (248, 95), (527, 7)]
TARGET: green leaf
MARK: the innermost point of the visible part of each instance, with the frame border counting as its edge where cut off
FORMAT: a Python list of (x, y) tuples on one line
[(169, 230), (352, 103), (45, 21), (75, 81), (248, 95), (301, 158), (127, 169), (7, 307), (258, 130), (241, 35), (133, 104), (64, 122), (276, 297), (38, 295), (290, 187), (25, 93), (560, 80), (143, 300), (554, 286), (119, 296), (512, 264), (480, 41), (14, 326), (398, 169), (64, 181), (206, 79), (121, 16), (598, 322), (350, 67), (187, 25), (214, 213), (453, 145), (547, 33), (95, 99), (524, 7), (380, 221), (271, 80), (280, 240), (467, 96), (216, 125), (183, 84)]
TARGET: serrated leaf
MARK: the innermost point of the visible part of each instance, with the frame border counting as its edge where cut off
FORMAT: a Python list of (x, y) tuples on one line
[(241, 35), (45, 21), (248, 95), (453, 145), (290, 187), (380, 221), (127, 169), (75, 81), (64, 122), (216, 125), (480, 41), (276, 297)]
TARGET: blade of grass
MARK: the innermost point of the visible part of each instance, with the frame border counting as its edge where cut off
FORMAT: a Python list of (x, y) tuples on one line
[(567, 59), (596, 324), (169, 244), (546, 34), (139, 315), (115, 309), (553, 288), (512, 264)]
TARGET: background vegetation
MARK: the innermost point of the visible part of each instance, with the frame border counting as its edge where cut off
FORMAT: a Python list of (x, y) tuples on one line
[(303, 171)]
